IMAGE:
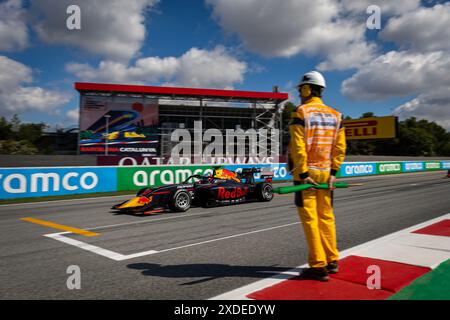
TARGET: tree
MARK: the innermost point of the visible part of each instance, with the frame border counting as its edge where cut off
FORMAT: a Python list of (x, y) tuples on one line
[(367, 115), (19, 138), (17, 147), (5, 129), (286, 115), (31, 131)]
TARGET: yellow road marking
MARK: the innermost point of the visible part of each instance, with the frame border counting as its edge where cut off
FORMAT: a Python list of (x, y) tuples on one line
[(61, 227)]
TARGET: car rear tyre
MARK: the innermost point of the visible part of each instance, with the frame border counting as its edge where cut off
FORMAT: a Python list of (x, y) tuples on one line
[(264, 192), (181, 201)]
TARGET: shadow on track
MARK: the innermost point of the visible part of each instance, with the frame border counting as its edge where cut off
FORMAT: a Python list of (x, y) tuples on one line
[(207, 271)]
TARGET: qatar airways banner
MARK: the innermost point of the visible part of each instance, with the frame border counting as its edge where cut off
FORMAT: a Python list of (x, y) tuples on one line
[(118, 126), (150, 161)]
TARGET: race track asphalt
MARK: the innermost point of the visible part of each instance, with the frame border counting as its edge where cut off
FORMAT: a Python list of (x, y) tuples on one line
[(202, 253)]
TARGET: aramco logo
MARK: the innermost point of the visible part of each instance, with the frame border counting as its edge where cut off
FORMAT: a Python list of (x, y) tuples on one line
[(51, 181)]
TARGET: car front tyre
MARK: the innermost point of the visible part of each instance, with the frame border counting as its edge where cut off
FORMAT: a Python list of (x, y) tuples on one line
[(180, 201), (264, 192)]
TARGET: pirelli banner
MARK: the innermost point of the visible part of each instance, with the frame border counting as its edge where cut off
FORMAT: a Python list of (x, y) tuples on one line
[(371, 128)]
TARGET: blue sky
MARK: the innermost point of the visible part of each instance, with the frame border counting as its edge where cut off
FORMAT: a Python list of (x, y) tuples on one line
[(247, 45)]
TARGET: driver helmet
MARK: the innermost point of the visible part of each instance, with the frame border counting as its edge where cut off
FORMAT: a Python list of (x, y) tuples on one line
[(207, 178)]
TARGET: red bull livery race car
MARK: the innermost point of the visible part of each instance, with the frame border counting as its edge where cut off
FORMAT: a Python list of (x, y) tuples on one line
[(223, 187)]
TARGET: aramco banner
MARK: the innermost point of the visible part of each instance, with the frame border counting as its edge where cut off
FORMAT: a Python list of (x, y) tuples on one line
[(42, 182), (134, 178)]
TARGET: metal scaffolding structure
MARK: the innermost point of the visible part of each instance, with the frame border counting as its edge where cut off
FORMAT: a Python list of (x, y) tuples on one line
[(215, 109)]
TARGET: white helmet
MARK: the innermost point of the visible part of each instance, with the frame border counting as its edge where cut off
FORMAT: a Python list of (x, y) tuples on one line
[(313, 77)]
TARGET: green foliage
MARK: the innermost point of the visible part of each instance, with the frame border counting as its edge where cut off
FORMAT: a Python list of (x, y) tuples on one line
[(19, 138), (31, 131), (368, 115), (17, 147), (5, 129)]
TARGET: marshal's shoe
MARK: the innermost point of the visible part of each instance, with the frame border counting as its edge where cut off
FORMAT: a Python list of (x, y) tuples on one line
[(319, 274), (333, 267)]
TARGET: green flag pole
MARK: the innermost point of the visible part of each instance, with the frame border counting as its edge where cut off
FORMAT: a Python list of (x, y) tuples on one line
[(301, 187)]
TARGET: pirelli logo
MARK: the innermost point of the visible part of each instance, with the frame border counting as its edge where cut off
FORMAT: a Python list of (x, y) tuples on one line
[(371, 128)]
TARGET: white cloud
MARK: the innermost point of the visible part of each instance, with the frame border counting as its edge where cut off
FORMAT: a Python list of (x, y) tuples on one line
[(399, 74), (433, 106), (388, 7), (272, 28), (13, 29), (18, 95), (197, 68), (420, 68), (144, 70), (73, 115), (114, 28), (344, 46), (289, 27), (215, 69), (405, 73), (425, 29)]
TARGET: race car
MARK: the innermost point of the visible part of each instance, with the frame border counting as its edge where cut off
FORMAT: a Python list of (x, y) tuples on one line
[(222, 187)]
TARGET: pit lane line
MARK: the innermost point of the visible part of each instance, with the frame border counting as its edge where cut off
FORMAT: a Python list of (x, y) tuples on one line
[(120, 257), (50, 224)]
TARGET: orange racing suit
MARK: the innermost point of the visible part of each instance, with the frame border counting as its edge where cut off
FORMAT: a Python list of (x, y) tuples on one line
[(317, 149)]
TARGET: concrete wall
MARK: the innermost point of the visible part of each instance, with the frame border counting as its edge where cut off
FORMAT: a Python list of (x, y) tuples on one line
[(7, 161)]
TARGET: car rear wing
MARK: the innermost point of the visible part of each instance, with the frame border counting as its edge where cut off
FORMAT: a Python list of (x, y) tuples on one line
[(267, 175), (250, 170)]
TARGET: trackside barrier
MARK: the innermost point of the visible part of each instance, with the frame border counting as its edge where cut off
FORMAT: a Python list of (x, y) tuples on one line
[(134, 178), (41, 182), (353, 169)]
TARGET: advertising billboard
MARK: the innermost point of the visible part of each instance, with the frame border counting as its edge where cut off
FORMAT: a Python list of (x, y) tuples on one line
[(371, 128), (118, 125), (41, 182), (351, 169)]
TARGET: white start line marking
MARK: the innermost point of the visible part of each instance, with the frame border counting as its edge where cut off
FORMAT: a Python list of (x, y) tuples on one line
[(60, 236)]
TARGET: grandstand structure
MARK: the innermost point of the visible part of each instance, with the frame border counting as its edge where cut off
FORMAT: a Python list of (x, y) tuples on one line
[(181, 107)]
